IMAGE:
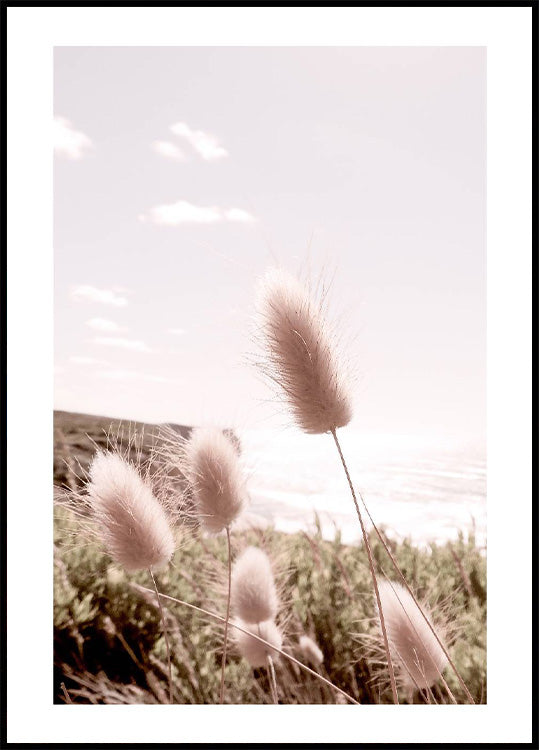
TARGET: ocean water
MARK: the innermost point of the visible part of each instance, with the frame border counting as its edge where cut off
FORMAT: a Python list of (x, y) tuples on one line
[(422, 488)]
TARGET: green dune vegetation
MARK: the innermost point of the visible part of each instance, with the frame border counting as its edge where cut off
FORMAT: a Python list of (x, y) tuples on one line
[(108, 632)]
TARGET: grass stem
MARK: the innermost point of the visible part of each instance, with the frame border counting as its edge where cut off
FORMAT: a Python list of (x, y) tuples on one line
[(373, 573), (166, 638), (273, 680), (225, 637)]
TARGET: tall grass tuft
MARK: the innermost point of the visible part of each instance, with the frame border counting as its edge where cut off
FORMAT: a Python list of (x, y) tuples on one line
[(310, 650), (130, 521), (301, 356), (255, 601), (302, 360), (254, 595), (211, 465), (420, 658), (254, 650)]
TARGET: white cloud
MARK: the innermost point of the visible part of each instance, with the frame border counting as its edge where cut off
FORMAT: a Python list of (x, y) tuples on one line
[(104, 325), (237, 214), (168, 150), (76, 360), (183, 212), (134, 345), (120, 289), (135, 375), (69, 142), (92, 294), (206, 145), (176, 331)]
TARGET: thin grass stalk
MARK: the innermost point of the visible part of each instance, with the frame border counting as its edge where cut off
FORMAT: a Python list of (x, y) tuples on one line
[(66, 694), (373, 573), (405, 583), (225, 638), (448, 689), (128, 648), (291, 658), (166, 638), (273, 680)]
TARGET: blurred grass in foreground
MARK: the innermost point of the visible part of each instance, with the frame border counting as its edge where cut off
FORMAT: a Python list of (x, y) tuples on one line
[(109, 646)]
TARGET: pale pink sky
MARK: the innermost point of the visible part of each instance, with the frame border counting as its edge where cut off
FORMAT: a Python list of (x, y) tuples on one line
[(182, 173)]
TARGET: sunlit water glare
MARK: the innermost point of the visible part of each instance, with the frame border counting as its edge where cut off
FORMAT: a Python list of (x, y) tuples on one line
[(424, 489)]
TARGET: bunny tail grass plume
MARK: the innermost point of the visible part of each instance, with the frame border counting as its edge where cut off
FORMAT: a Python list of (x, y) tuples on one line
[(415, 649), (212, 468), (254, 596), (302, 360), (310, 650), (300, 354), (213, 471), (253, 650), (131, 522)]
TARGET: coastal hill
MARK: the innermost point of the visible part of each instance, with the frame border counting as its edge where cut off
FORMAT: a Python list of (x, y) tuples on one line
[(78, 436)]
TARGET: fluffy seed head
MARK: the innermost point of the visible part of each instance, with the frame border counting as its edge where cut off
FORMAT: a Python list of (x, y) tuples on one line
[(301, 356), (310, 650), (253, 593), (213, 471), (255, 652), (131, 522), (413, 646)]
